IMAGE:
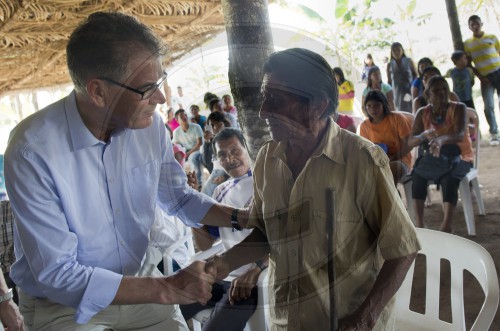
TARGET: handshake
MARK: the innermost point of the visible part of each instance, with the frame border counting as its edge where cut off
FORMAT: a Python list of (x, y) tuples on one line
[(194, 283)]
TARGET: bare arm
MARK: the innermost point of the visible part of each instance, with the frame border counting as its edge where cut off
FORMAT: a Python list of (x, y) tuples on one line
[(403, 150), (388, 281), (414, 92), (202, 238), (457, 134), (416, 105), (9, 312)]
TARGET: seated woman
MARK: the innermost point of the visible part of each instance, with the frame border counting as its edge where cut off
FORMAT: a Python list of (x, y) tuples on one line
[(439, 127), (389, 130), (228, 105), (375, 83)]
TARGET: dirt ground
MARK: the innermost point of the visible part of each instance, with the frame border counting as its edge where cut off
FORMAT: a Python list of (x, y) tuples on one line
[(487, 228)]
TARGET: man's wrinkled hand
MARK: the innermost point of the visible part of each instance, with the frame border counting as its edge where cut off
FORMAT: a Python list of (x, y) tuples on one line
[(241, 287), (10, 316), (356, 322), (191, 284)]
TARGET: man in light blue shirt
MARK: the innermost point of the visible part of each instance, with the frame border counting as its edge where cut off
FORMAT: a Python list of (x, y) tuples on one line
[(85, 175)]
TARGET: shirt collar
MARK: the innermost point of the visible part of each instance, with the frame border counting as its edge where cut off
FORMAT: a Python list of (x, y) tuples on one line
[(330, 146), (81, 137)]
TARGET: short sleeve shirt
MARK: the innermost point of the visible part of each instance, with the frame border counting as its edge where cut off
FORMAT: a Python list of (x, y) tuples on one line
[(369, 217)]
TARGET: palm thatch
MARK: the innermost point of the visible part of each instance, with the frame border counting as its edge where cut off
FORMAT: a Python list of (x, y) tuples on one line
[(33, 34)]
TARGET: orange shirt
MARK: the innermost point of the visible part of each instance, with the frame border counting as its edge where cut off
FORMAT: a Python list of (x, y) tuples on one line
[(465, 145), (389, 132)]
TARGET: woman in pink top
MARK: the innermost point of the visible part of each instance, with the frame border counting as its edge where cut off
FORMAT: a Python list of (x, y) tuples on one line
[(441, 124), (228, 106)]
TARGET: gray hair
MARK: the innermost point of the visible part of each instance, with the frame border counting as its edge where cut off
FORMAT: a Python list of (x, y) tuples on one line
[(102, 46)]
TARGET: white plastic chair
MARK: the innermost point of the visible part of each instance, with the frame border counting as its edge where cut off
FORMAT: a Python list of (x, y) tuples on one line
[(465, 194), (258, 321), (462, 254)]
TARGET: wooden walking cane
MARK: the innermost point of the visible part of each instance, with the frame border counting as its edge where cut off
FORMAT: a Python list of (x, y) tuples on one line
[(330, 232)]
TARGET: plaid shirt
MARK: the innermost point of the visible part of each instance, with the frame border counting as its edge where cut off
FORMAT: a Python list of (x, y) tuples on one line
[(7, 239)]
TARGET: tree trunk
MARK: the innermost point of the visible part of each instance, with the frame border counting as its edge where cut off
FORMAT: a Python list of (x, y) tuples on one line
[(456, 34), (250, 43)]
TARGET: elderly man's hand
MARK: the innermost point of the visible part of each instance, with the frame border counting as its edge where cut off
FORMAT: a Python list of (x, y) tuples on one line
[(356, 322), (241, 287), (189, 285), (10, 316)]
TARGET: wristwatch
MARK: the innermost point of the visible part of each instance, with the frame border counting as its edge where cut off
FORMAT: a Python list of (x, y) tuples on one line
[(260, 264), (234, 220), (7, 296)]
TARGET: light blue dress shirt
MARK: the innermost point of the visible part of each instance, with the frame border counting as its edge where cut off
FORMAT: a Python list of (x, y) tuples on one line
[(84, 207)]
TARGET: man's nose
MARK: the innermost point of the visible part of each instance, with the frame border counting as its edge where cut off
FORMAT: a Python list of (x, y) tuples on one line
[(158, 97)]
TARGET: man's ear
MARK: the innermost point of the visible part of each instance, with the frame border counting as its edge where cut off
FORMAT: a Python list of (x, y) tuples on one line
[(96, 92)]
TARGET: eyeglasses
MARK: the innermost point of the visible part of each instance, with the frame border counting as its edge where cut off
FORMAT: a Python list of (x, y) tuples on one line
[(146, 93)]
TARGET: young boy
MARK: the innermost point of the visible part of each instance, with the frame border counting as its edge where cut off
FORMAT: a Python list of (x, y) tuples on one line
[(484, 50), (462, 77)]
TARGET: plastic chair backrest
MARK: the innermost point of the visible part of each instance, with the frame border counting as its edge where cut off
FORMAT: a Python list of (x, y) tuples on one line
[(462, 254)]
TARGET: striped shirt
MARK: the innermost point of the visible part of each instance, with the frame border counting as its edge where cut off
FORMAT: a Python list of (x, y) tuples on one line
[(7, 241), (484, 52)]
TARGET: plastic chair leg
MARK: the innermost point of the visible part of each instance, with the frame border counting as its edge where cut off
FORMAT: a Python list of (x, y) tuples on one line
[(479, 197), (467, 206)]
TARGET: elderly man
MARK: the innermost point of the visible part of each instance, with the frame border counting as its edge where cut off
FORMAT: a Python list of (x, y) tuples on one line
[(324, 206), (85, 176)]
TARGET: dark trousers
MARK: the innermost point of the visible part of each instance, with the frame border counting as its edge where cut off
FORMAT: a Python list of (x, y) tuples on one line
[(224, 316)]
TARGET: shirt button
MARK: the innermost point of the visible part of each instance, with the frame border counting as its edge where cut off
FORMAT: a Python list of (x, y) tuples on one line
[(117, 211), (122, 242), (110, 180)]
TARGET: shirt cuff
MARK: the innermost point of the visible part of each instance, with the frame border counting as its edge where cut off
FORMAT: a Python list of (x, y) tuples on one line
[(100, 292)]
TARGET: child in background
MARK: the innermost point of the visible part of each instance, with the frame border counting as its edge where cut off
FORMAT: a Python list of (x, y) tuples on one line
[(462, 77), (368, 65), (400, 74), (346, 92), (417, 86)]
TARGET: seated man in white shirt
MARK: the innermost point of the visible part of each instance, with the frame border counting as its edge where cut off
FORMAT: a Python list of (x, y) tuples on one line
[(234, 301)]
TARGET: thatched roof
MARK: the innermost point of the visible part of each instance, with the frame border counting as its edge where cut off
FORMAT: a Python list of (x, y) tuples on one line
[(33, 34)]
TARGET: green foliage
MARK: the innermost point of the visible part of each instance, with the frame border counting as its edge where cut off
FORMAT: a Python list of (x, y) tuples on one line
[(341, 8)]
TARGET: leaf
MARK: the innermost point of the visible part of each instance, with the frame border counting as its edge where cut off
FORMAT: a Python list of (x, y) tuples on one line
[(310, 13), (411, 7), (341, 8)]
